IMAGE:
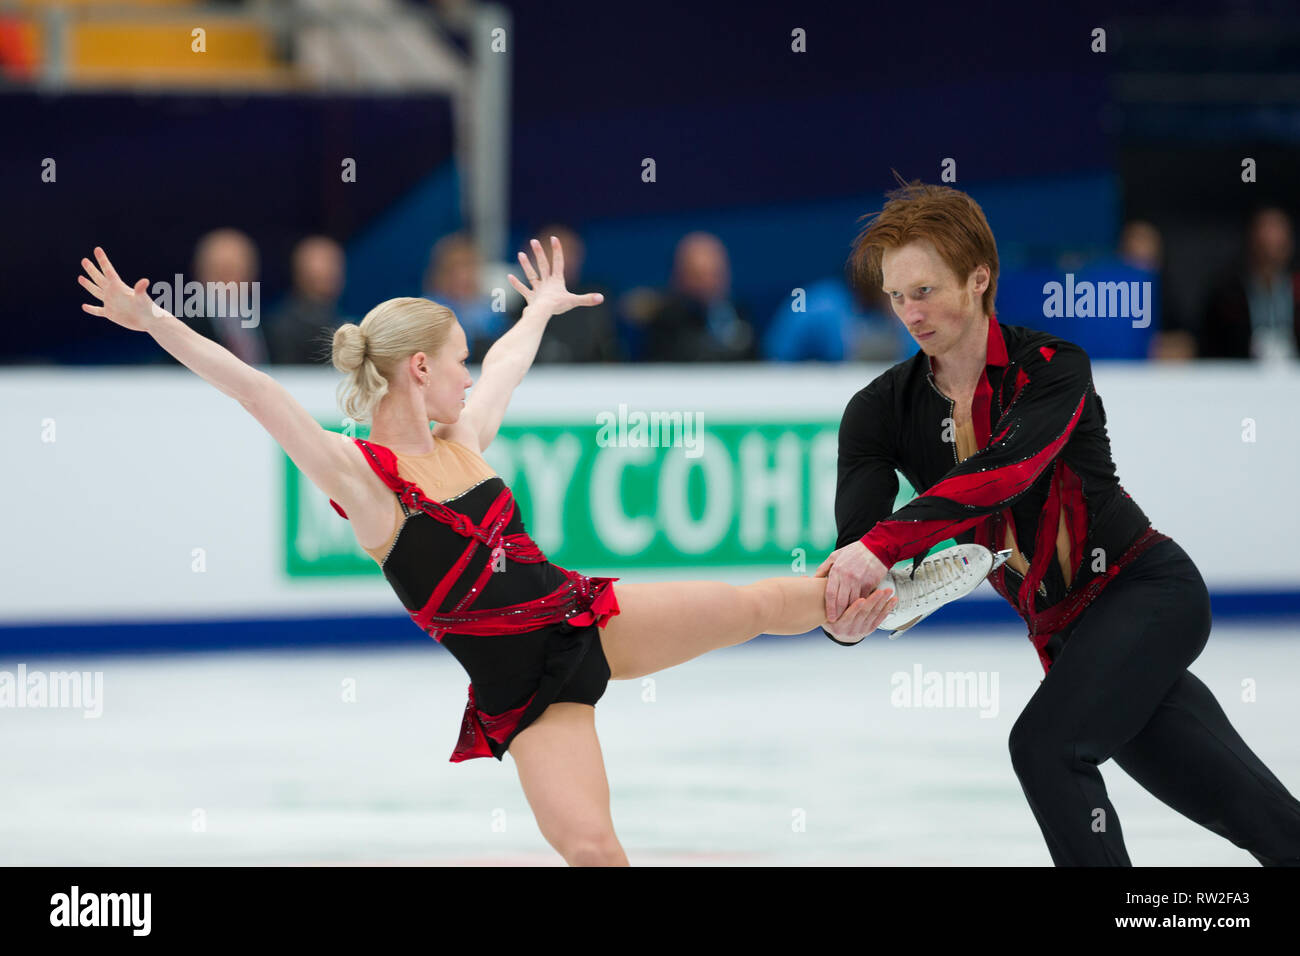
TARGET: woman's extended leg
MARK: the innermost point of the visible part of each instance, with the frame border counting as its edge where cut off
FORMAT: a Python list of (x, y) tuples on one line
[(663, 624), (563, 776)]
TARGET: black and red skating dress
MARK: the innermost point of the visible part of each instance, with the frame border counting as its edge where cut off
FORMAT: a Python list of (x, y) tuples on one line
[(524, 629)]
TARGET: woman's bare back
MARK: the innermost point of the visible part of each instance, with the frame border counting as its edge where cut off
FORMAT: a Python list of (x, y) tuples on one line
[(442, 474)]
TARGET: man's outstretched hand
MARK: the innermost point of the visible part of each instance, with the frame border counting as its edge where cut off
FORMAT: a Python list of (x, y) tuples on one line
[(854, 607)]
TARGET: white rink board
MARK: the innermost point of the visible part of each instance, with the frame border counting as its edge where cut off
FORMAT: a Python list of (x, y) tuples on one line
[(150, 463)]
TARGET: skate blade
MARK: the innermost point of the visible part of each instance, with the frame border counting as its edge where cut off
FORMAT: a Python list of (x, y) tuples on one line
[(893, 635)]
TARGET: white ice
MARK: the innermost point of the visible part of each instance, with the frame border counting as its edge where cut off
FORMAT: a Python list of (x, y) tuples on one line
[(784, 751)]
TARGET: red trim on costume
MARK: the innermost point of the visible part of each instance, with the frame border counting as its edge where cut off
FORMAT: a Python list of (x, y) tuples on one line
[(995, 351), (1047, 624), (1044, 541), (478, 725), (979, 410), (580, 601), (1076, 516), (1021, 381), (890, 541), (603, 606)]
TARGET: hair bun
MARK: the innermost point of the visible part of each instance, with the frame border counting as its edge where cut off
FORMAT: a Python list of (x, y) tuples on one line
[(349, 347)]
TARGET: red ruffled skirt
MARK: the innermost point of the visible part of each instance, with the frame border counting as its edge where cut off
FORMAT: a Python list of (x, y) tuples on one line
[(478, 726)]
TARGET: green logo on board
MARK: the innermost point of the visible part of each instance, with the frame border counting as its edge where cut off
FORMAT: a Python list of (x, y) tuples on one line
[(739, 494)]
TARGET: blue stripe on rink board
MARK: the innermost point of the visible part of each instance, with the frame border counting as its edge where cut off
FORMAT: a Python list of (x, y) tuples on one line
[(388, 630), (207, 635)]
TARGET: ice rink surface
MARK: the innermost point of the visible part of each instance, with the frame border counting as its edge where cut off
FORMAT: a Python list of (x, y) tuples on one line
[(783, 751)]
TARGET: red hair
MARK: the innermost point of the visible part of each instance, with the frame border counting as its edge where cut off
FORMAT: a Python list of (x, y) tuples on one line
[(948, 218)]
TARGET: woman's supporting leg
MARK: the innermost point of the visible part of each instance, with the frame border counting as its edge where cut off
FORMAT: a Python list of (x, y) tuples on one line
[(660, 625), (563, 776)]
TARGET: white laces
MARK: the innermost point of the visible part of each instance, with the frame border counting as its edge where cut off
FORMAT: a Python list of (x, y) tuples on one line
[(933, 575)]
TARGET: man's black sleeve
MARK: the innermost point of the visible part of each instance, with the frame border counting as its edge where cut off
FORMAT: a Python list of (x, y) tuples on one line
[(867, 480)]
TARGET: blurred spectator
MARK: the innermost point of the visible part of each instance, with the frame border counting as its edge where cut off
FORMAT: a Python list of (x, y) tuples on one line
[(223, 257), (454, 279), (835, 324), (579, 335), (1254, 311), (633, 312), (1141, 247), (302, 331), (697, 321), (1111, 332)]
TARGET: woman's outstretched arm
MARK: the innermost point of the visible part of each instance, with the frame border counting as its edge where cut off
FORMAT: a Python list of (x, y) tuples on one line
[(327, 458), (511, 355)]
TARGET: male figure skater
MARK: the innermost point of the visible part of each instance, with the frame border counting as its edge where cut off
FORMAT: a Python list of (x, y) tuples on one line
[(1000, 431)]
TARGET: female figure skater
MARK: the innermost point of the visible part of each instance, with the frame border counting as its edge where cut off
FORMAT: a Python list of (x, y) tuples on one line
[(539, 642)]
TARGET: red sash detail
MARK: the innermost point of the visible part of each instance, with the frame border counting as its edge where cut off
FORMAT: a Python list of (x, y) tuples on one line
[(603, 607), (1047, 624), (580, 601), (477, 726)]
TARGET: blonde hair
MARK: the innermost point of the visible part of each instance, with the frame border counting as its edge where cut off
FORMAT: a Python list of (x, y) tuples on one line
[(371, 352)]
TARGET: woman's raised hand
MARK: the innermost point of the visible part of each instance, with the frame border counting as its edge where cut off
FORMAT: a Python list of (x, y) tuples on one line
[(547, 282), (130, 307)]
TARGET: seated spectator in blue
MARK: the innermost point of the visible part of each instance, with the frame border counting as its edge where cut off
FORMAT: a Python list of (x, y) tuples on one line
[(1142, 247), (302, 330), (1110, 307), (828, 322), (1116, 336), (697, 320), (454, 279)]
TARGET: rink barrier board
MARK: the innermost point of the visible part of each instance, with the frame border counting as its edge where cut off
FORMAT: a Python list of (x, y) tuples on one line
[(981, 615)]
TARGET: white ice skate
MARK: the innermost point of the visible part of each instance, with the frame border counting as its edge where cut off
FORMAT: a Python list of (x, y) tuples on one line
[(941, 578)]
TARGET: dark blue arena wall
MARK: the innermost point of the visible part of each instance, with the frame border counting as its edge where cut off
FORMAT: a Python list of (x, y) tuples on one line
[(781, 152), (145, 175), (778, 152), (734, 117)]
